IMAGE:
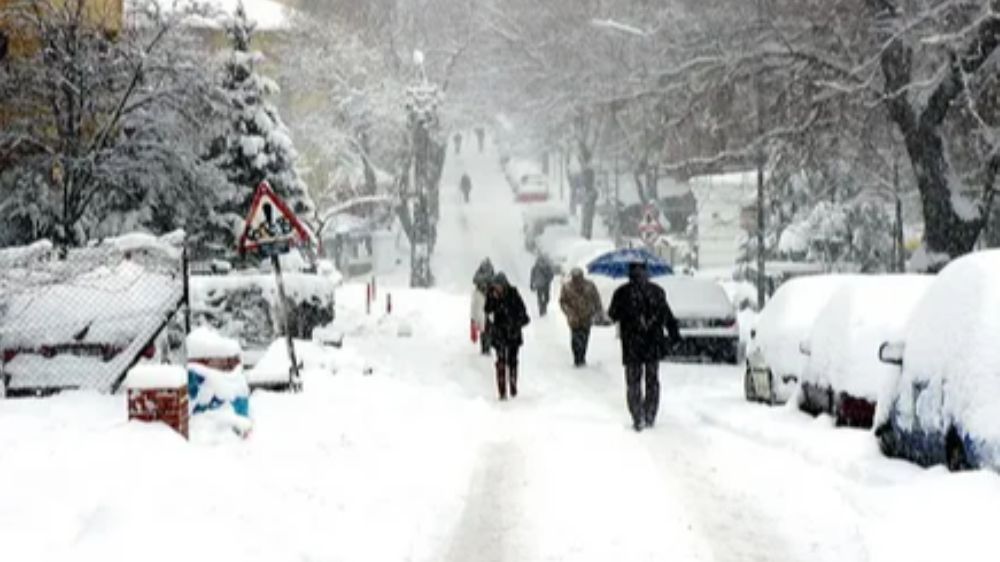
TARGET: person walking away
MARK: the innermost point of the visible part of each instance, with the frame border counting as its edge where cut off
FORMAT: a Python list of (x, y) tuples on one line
[(641, 310), (481, 282), (465, 184), (481, 138), (458, 143), (542, 274), (507, 316), (581, 303)]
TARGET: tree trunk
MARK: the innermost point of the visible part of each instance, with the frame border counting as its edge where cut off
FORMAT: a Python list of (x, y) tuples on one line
[(589, 193)]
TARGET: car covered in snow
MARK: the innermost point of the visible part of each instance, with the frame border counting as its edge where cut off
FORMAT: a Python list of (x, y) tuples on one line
[(533, 188), (774, 360), (943, 407), (556, 242), (843, 376), (707, 319), (517, 169), (536, 218)]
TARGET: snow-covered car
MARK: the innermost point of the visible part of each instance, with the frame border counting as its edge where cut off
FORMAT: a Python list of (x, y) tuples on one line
[(536, 218), (774, 360), (556, 243), (533, 188), (517, 169), (843, 376), (706, 317), (944, 408)]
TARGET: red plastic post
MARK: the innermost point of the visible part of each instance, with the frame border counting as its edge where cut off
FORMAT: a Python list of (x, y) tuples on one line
[(368, 298), (388, 303)]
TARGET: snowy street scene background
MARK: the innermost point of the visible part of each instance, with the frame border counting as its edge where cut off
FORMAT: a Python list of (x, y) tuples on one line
[(439, 280)]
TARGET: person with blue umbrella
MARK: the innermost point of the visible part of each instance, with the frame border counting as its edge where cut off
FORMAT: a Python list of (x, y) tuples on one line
[(644, 319)]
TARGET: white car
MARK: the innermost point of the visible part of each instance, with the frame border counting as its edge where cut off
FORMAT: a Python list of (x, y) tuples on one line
[(536, 218), (533, 188), (517, 169), (706, 316), (943, 407), (556, 242), (774, 358), (843, 376)]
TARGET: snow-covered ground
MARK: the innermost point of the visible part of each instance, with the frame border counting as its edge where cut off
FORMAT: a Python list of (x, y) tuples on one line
[(398, 450)]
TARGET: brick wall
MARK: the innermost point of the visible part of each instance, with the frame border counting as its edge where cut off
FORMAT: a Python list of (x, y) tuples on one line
[(167, 405)]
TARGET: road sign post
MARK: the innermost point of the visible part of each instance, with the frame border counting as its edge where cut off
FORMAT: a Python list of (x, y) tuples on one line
[(271, 229)]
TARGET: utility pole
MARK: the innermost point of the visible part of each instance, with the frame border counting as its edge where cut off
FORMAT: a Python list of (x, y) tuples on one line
[(761, 162)]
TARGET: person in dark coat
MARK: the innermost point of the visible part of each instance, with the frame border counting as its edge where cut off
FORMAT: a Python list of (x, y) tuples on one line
[(482, 280), (508, 316), (581, 303), (481, 137), (643, 315), (465, 184), (542, 274)]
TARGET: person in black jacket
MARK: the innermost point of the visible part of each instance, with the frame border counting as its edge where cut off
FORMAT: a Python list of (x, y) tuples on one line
[(542, 274), (507, 317), (640, 308)]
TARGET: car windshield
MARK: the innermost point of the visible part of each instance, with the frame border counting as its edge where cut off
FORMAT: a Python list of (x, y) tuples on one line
[(514, 280)]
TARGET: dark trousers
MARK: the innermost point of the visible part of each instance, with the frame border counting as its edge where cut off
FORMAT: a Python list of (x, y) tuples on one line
[(643, 407), (543, 300), (484, 340), (578, 341), (506, 368)]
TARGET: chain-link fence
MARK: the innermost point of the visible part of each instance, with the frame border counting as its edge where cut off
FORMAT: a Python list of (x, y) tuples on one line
[(79, 319)]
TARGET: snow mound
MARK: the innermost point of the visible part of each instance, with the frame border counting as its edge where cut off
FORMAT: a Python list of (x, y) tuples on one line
[(952, 351), (142, 377), (859, 317), (274, 365), (206, 343)]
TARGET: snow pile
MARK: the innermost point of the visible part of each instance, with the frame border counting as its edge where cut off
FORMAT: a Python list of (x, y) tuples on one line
[(788, 318), (952, 350), (149, 376), (582, 252), (557, 242), (859, 317), (206, 343), (273, 367)]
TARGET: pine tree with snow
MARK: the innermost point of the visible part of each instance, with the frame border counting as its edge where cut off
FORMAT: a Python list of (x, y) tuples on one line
[(256, 145)]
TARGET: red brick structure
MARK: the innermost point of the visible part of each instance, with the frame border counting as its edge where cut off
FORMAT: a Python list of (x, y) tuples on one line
[(167, 405)]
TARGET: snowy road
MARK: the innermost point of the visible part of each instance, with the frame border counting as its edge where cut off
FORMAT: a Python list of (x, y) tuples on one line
[(399, 451)]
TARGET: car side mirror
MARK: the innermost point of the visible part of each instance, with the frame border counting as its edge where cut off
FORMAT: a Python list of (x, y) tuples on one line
[(805, 348), (891, 353)]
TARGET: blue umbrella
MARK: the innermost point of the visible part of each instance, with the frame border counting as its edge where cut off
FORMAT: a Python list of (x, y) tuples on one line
[(615, 264)]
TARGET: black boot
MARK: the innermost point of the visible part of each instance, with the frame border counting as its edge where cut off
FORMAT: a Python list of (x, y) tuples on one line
[(502, 380), (513, 381)]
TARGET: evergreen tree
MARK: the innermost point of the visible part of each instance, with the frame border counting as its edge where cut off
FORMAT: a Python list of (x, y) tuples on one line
[(256, 144)]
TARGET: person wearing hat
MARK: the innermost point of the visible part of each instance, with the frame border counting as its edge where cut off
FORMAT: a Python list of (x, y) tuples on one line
[(481, 281), (643, 315), (507, 317), (581, 303)]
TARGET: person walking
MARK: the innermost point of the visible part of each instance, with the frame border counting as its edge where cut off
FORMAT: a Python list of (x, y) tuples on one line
[(481, 138), (458, 143), (581, 303), (481, 282), (507, 316), (641, 310), (465, 184), (542, 274)]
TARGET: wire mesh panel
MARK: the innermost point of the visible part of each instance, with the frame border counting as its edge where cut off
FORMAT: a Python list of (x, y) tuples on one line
[(81, 318)]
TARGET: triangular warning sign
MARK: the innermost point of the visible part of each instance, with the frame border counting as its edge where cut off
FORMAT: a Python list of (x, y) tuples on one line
[(271, 224)]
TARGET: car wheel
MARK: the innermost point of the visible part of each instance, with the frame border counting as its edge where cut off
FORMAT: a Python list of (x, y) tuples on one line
[(955, 452), (748, 386)]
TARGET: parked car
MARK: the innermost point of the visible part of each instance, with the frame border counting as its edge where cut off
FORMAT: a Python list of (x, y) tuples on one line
[(774, 360), (943, 408), (556, 242), (533, 188), (706, 317), (536, 218), (843, 376), (517, 169)]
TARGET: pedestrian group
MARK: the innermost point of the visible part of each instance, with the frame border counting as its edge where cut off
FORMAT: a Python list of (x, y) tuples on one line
[(646, 326)]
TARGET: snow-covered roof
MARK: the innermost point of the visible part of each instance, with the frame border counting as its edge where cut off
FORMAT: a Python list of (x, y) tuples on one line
[(269, 15)]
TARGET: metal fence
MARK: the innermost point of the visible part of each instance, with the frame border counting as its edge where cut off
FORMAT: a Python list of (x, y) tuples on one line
[(79, 319)]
